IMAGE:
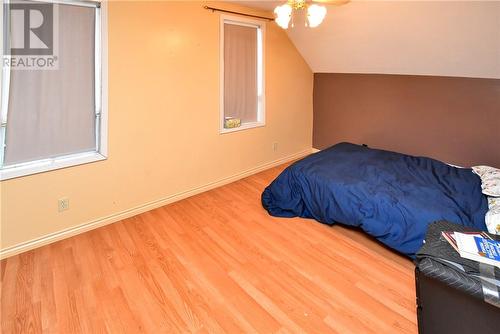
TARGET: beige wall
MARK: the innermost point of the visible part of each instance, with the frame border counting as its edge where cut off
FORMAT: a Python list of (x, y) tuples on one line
[(164, 122), (444, 38)]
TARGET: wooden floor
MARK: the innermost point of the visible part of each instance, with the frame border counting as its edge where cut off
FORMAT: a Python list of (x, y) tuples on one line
[(213, 263)]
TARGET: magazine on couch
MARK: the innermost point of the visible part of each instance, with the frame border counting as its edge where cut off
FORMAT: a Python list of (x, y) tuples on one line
[(478, 248)]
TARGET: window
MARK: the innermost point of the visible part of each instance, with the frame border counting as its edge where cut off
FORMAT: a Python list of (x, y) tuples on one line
[(53, 108), (242, 74)]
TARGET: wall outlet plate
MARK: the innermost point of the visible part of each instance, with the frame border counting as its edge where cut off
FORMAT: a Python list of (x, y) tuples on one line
[(63, 204)]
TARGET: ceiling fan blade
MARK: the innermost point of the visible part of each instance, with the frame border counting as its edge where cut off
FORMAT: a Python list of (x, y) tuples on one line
[(333, 2)]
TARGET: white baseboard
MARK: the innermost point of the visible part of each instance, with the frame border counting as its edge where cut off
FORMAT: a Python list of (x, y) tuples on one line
[(72, 231), (314, 150)]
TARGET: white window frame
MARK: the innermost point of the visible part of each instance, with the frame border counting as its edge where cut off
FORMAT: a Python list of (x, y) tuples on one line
[(261, 78), (101, 96)]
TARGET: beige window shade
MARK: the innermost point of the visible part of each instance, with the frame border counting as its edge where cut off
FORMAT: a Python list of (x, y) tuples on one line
[(52, 112), (240, 72)]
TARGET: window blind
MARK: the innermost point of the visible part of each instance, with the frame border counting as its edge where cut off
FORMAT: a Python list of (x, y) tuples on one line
[(53, 112), (240, 72)]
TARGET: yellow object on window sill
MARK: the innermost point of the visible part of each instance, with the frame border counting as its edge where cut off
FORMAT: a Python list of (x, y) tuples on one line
[(230, 123)]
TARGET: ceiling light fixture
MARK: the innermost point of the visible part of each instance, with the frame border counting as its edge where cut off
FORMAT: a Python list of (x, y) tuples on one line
[(315, 14), (283, 15)]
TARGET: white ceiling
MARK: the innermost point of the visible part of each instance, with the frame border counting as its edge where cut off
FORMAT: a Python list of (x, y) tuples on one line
[(450, 38), (264, 5)]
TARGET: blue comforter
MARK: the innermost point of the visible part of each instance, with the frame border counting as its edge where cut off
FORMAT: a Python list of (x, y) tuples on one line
[(391, 196)]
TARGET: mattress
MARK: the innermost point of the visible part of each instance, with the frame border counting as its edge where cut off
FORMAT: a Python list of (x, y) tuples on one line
[(389, 195)]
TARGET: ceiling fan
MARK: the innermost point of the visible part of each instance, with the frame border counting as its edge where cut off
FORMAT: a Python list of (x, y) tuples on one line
[(314, 13)]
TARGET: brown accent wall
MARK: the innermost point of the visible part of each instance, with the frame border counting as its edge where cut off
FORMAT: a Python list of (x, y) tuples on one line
[(456, 120)]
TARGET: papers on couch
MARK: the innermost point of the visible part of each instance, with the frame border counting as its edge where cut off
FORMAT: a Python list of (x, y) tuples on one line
[(478, 248)]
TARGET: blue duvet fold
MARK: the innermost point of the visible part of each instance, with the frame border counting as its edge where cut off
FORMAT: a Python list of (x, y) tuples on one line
[(391, 196)]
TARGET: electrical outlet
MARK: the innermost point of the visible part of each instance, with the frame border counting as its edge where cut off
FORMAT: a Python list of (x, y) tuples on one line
[(275, 146), (63, 204)]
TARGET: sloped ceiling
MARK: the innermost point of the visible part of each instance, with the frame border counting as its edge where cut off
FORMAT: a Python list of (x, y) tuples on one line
[(448, 38)]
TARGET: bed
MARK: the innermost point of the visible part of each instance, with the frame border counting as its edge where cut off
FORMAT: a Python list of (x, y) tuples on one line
[(389, 195)]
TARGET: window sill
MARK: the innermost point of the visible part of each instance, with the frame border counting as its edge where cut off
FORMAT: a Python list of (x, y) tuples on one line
[(46, 165), (244, 126)]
